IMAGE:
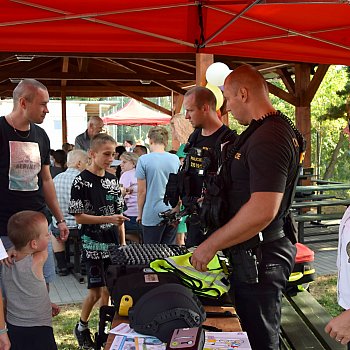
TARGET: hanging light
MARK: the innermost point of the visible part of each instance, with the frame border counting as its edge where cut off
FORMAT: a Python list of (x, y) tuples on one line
[(24, 58)]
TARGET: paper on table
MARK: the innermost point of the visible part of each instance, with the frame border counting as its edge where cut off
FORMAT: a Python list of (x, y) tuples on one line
[(117, 341), (122, 342), (3, 253), (226, 340), (124, 329)]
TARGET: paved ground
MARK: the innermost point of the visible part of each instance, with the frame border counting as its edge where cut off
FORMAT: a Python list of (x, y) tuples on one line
[(67, 289)]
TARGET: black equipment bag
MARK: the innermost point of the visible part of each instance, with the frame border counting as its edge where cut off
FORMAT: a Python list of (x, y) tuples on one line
[(133, 281), (166, 308)]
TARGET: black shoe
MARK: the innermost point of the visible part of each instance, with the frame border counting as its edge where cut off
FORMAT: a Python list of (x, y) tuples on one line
[(63, 272), (84, 338)]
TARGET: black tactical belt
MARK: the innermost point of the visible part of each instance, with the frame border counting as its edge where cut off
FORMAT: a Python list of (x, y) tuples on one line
[(260, 238)]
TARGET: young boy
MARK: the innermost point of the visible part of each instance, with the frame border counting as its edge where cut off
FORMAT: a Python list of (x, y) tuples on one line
[(29, 310), (97, 203)]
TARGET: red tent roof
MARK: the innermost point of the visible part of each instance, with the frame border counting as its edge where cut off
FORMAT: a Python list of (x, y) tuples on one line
[(134, 113), (303, 31)]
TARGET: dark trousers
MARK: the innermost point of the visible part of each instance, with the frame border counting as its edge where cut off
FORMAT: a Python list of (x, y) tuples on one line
[(195, 234), (31, 338), (162, 234), (259, 305)]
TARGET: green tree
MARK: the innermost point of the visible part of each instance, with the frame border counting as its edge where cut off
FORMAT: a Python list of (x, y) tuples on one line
[(328, 144), (329, 118)]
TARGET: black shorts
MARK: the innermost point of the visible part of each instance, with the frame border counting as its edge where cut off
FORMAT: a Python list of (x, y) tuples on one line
[(96, 271), (31, 338)]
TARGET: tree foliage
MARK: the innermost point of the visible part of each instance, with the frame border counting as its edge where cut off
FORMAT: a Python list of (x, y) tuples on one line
[(329, 117)]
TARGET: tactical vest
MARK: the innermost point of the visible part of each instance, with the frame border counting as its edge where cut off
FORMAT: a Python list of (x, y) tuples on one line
[(217, 206), (200, 162)]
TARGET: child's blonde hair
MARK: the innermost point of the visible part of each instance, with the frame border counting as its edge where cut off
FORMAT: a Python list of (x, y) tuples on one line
[(159, 135), (22, 227), (130, 156)]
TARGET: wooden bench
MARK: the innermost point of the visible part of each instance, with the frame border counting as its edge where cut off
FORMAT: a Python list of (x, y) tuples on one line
[(321, 203), (302, 218), (302, 324), (313, 197)]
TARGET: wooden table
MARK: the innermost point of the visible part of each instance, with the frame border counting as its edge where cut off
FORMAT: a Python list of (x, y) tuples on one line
[(227, 324)]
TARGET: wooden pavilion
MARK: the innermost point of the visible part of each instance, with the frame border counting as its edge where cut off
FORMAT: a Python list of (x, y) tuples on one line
[(149, 48)]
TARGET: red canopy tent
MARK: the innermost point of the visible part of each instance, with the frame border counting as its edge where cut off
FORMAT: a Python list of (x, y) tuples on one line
[(134, 113), (294, 31)]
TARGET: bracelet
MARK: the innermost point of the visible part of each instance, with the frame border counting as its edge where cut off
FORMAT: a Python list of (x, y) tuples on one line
[(3, 331), (61, 221)]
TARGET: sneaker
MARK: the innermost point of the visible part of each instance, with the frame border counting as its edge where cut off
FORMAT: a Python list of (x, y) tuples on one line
[(84, 338), (63, 271)]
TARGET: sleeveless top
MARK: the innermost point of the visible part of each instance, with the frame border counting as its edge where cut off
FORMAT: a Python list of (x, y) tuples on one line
[(28, 302)]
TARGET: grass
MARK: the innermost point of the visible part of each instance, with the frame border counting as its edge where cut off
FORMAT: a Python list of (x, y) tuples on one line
[(324, 290), (64, 323)]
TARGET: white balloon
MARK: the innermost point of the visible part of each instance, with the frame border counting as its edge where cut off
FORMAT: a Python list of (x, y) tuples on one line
[(217, 73)]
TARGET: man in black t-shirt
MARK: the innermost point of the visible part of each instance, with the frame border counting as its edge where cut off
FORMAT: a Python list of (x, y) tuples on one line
[(25, 180), (200, 106), (261, 178)]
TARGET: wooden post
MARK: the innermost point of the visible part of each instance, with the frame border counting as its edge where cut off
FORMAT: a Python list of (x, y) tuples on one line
[(203, 61), (64, 116), (65, 63), (303, 106), (177, 105)]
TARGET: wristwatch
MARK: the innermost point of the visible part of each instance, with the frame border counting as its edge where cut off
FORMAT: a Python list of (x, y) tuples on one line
[(61, 221)]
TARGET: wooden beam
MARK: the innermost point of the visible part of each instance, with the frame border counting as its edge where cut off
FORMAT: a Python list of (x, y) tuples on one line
[(177, 103), (102, 89), (316, 81), (203, 61), (160, 66), (83, 63), (287, 79), (146, 102), (171, 86), (284, 95), (22, 74), (65, 64)]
